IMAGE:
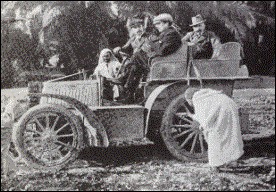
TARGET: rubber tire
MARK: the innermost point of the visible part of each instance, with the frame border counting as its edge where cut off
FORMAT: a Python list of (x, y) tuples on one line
[(166, 141), (19, 128)]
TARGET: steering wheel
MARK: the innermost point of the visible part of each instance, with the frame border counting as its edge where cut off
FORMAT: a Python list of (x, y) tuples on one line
[(113, 81), (123, 54)]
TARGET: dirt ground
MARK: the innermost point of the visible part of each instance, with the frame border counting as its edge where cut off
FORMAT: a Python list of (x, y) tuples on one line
[(148, 167)]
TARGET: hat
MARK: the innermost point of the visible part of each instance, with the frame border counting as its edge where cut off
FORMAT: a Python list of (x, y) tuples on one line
[(162, 17), (134, 22), (197, 20)]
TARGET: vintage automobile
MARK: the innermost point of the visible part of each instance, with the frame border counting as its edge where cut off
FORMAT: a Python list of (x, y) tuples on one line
[(71, 115)]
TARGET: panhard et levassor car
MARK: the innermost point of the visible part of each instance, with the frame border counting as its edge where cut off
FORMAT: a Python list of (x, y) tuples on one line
[(71, 115)]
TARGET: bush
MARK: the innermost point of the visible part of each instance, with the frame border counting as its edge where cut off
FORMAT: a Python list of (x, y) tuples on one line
[(7, 75)]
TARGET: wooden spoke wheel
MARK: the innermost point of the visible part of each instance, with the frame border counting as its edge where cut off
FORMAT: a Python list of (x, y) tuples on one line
[(181, 134), (48, 137)]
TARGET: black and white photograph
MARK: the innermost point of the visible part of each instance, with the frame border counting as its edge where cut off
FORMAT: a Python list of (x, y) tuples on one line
[(137, 95)]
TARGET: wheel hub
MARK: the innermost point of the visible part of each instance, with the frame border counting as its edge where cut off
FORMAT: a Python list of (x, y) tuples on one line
[(182, 134), (195, 126), (49, 136)]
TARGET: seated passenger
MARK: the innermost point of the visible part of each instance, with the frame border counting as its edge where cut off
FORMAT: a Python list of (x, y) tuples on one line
[(108, 67), (169, 40), (204, 44)]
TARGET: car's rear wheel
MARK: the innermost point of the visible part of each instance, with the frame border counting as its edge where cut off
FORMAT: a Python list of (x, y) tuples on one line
[(48, 137), (181, 134)]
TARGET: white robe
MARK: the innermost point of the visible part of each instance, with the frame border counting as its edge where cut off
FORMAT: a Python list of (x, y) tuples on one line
[(218, 115), (108, 70)]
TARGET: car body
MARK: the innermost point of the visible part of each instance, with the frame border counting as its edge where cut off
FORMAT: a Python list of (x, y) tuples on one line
[(72, 115)]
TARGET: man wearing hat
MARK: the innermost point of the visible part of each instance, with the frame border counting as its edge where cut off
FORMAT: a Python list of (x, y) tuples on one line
[(169, 40), (139, 50), (205, 44), (143, 45)]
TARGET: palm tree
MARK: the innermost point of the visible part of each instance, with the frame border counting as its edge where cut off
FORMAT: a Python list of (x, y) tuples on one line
[(79, 28), (239, 21), (82, 28), (237, 17)]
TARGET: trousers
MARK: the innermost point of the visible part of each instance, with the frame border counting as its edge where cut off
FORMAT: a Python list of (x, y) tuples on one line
[(133, 71)]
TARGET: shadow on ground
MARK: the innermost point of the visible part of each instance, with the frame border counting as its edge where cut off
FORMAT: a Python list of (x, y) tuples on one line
[(120, 156)]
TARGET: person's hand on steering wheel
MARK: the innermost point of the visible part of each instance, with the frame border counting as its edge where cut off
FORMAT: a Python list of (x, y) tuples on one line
[(116, 50), (113, 80)]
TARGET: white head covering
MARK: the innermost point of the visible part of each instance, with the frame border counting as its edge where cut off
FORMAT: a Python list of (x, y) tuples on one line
[(103, 52), (109, 69)]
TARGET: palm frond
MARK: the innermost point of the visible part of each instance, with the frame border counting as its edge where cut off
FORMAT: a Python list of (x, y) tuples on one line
[(246, 14)]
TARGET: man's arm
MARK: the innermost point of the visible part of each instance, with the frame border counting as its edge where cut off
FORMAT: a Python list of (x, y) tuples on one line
[(127, 48), (169, 43), (186, 39)]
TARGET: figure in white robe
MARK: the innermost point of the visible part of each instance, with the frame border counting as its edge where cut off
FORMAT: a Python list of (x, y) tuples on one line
[(108, 66), (218, 115)]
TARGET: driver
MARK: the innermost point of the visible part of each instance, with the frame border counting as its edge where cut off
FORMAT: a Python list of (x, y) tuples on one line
[(145, 45), (136, 67)]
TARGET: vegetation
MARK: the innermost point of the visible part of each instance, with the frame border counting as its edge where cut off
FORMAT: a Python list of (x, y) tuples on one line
[(32, 32)]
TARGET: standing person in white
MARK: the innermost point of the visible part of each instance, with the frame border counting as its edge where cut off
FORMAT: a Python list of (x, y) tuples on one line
[(218, 115)]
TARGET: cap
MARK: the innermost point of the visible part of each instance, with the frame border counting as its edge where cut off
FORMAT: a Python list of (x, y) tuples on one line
[(163, 17)]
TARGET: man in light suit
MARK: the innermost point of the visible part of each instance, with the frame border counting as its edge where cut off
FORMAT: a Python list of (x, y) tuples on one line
[(205, 44)]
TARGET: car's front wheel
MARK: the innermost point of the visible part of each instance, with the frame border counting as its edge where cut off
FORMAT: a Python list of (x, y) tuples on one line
[(48, 137)]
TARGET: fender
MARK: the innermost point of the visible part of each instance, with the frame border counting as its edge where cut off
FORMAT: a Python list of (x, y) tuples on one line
[(159, 99), (85, 111)]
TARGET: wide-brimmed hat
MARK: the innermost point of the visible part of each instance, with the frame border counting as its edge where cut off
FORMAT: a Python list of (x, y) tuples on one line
[(197, 20), (163, 17)]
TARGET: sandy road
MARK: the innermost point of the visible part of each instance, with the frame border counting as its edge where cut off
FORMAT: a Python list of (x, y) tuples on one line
[(148, 167)]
